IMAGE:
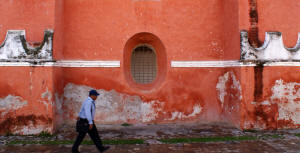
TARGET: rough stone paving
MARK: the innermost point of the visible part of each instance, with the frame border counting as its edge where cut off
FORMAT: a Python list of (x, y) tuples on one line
[(267, 141)]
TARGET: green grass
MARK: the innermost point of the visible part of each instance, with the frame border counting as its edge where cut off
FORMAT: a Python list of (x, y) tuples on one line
[(140, 141), (297, 134), (250, 130), (45, 134), (274, 136), (118, 142), (207, 139), (86, 142), (41, 142), (126, 124)]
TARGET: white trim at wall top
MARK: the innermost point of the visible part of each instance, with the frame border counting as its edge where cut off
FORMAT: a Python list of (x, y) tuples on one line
[(206, 64), (78, 63), (236, 63), (65, 63), (174, 64)]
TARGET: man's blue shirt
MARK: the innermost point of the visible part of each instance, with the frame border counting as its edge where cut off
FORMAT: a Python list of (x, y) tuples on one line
[(86, 108)]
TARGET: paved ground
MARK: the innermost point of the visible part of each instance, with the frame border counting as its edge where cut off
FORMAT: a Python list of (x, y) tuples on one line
[(282, 141)]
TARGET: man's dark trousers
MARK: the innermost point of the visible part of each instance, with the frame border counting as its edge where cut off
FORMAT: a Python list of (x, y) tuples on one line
[(93, 133)]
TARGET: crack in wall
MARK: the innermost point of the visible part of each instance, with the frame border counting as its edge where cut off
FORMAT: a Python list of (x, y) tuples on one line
[(253, 19)]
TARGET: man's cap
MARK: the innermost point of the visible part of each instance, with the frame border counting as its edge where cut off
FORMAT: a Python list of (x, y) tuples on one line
[(94, 92)]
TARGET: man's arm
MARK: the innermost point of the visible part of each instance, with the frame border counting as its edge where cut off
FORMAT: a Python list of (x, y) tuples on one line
[(88, 113)]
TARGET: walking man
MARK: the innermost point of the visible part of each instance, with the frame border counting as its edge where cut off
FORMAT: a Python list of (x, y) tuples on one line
[(86, 116)]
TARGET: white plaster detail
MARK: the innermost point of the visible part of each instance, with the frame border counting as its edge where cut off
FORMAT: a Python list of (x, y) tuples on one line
[(59, 112), (15, 47), (78, 63), (282, 64), (287, 97), (63, 63), (273, 48), (31, 129), (12, 45), (221, 86), (197, 109), (111, 105), (116, 64), (114, 107), (11, 103), (148, 112), (236, 85), (58, 103), (46, 95), (186, 64), (265, 103)]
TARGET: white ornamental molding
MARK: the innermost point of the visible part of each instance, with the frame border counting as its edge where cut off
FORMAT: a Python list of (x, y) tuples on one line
[(63, 63), (15, 47), (77, 63), (273, 48)]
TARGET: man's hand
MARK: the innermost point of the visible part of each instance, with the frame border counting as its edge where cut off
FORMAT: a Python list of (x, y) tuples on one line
[(91, 126)]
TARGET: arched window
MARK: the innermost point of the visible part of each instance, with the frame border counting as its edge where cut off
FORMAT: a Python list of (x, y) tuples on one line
[(143, 64)]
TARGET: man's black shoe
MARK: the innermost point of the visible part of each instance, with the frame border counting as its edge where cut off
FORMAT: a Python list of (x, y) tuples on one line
[(104, 148), (75, 151)]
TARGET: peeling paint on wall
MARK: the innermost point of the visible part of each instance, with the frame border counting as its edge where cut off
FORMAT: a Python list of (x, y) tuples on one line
[(31, 129), (180, 115), (59, 112), (287, 97), (14, 120), (11, 103), (280, 110), (48, 96), (26, 124), (58, 103), (111, 105), (222, 88), (114, 107)]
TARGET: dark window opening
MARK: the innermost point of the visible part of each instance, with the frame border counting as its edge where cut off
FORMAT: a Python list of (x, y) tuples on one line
[(143, 64)]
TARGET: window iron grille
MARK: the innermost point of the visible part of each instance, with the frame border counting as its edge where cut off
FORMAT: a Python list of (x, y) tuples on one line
[(143, 64)]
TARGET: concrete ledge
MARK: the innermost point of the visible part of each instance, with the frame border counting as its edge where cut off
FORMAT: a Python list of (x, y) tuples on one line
[(78, 63), (237, 63), (64, 63), (174, 64)]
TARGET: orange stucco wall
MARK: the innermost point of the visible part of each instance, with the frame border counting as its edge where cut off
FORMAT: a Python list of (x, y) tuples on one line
[(180, 30), (274, 102), (190, 30), (28, 96), (32, 15)]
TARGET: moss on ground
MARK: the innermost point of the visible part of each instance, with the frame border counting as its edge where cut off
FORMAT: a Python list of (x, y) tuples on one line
[(141, 141)]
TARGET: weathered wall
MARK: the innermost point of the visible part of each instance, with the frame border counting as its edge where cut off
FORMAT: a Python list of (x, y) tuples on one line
[(27, 99), (203, 33), (187, 30), (28, 93), (269, 92), (275, 100), (177, 99)]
